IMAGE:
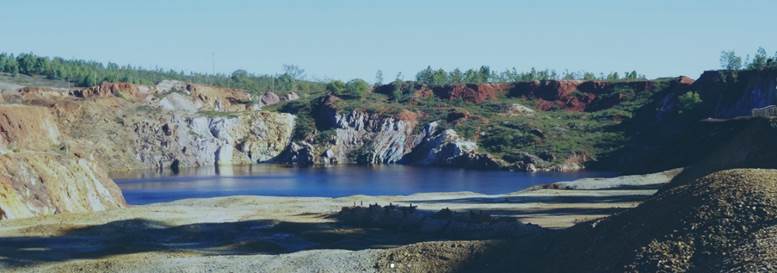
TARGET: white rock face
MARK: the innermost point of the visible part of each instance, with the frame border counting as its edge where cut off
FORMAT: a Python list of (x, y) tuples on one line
[(178, 102), (171, 86), (377, 139), (197, 140), (446, 147)]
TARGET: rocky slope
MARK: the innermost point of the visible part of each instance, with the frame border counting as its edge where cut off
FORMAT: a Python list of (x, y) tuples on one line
[(728, 94), (125, 126), (39, 175), (687, 227), (347, 137), (719, 117), (57, 143)]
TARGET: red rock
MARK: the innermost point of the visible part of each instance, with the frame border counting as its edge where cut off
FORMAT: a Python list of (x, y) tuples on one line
[(109, 89), (475, 93), (685, 80)]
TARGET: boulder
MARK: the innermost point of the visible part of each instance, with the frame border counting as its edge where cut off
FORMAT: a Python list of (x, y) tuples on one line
[(519, 109), (291, 96), (270, 98), (300, 153)]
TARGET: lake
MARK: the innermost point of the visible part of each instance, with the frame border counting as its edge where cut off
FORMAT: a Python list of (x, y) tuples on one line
[(276, 180)]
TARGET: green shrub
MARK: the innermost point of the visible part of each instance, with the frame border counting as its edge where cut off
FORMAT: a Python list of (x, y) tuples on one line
[(337, 87), (356, 88), (688, 102)]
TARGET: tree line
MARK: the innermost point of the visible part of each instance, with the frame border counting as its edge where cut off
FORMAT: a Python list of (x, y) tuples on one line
[(88, 73), (729, 60), (485, 74)]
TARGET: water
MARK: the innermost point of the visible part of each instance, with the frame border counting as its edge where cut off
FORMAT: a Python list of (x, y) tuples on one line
[(275, 180)]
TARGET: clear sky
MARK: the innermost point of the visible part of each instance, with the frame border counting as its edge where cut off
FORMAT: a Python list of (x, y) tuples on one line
[(354, 38)]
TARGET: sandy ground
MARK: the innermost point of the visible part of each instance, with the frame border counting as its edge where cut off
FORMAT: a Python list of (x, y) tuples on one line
[(280, 234)]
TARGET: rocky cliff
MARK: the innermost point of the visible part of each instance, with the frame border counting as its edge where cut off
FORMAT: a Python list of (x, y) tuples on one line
[(56, 144), (39, 175), (361, 137), (728, 94), (169, 126)]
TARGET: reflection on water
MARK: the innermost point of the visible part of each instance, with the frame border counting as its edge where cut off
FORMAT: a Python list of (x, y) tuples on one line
[(266, 179)]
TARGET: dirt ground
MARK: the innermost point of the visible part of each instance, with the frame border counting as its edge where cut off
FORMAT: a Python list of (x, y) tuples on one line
[(287, 234)]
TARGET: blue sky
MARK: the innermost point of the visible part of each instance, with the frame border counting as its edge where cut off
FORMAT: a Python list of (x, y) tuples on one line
[(354, 38)]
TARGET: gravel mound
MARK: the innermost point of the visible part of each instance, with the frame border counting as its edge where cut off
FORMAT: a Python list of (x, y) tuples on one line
[(723, 222)]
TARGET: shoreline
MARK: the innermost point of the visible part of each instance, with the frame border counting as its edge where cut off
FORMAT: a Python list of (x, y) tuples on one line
[(237, 231), (149, 186)]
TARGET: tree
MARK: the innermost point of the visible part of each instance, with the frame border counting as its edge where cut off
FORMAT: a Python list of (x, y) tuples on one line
[(239, 74), (356, 88), (631, 75), (771, 64), (730, 61), (760, 60), (90, 79), (425, 76), (295, 72), (456, 76), (396, 90), (379, 77), (439, 77), (484, 74), (471, 76), (613, 76), (286, 82)]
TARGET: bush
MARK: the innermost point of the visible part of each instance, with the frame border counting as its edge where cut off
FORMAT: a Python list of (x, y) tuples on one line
[(688, 101), (356, 88), (336, 87)]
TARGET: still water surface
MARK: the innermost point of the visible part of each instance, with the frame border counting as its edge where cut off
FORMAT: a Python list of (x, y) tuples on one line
[(265, 179)]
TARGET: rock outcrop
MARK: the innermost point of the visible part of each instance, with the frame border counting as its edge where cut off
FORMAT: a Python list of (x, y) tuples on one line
[(55, 144), (476, 93), (178, 140), (40, 175), (728, 94), (184, 126), (372, 138), (270, 98), (438, 147)]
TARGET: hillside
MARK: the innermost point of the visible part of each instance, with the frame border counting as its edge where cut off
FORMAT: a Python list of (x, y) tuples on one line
[(555, 125)]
